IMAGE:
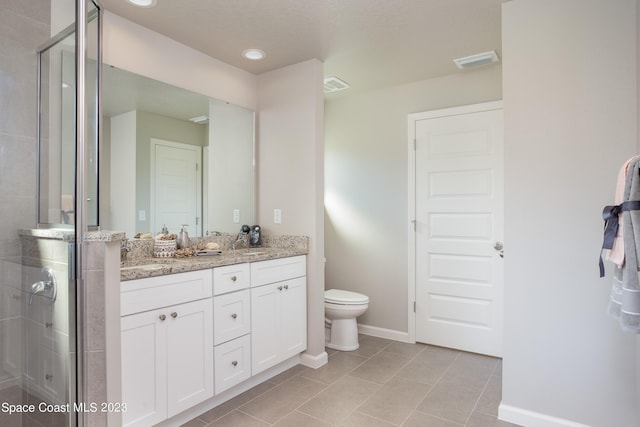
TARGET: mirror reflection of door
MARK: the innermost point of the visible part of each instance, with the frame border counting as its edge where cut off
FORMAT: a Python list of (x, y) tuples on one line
[(137, 109), (175, 186)]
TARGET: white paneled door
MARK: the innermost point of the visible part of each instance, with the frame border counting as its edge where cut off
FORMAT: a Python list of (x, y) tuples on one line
[(458, 250), (175, 186)]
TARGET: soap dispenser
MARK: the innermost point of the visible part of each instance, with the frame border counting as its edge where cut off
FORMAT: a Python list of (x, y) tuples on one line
[(255, 236), (183, 238)]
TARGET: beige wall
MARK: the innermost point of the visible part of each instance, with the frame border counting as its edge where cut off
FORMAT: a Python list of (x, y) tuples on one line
[(570, 122), (142, 51), (366, 173), (290, 128)]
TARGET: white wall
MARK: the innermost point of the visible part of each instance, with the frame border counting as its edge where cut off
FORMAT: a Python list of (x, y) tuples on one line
[(366, 200), (122, 204), (290, 127), (569, 74), (230, 169)]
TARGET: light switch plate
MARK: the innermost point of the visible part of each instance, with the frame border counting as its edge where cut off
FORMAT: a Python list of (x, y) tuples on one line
[(277, 216), (236, 216)]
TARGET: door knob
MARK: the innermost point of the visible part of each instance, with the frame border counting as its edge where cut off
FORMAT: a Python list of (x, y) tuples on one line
[(498, 246)]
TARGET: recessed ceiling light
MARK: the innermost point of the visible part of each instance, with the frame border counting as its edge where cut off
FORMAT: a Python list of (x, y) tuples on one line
[(254, 54), (143, 3)]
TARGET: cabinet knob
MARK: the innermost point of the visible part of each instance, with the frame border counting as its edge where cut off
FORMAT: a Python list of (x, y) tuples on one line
[(234, 278), (162, 317), (174, 314), (233, 316), (279, 288), (286, 286), (234, 363)]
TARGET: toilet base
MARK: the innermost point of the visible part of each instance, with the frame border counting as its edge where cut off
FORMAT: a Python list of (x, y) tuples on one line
[(343, 335)]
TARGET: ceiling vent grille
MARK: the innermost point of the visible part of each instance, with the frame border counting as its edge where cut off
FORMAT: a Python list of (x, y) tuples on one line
[(334, 84), (201, 120), (477, 60)]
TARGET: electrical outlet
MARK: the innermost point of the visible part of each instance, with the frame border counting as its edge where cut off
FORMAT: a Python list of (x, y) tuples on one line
[(142, 215), (277, 216), (236, 216)]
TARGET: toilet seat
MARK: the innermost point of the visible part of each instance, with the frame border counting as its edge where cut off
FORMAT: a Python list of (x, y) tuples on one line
[(338, 296)]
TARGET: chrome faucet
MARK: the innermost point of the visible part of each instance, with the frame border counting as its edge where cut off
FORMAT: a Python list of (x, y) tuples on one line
[(241, 237), (46, 288)]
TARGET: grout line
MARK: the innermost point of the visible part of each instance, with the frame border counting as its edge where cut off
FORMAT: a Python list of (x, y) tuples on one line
[(410, 359), (346, 374), (475, 405)]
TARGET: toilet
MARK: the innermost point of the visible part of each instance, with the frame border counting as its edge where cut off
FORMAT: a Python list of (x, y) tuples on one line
[(340, 310)]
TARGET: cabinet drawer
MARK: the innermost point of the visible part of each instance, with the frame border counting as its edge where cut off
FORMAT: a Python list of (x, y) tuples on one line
[(232, 363), (154, 292), (230, 278), (276, 270), (231, 316)]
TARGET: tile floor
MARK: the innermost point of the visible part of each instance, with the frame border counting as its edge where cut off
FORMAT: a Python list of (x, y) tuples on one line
[(383, 383)]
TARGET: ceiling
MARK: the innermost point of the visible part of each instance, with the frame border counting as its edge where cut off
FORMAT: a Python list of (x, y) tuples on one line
[(367, 43)]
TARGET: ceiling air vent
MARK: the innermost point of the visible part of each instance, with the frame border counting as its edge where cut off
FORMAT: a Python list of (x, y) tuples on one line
[(201, 120), (334, 84)]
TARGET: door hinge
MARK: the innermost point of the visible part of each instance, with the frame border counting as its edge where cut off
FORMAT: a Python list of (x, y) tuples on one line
[(414, 306), (415, 144), (413, 222)]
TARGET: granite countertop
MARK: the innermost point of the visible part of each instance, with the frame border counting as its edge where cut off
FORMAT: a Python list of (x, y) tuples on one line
[(140, 268)]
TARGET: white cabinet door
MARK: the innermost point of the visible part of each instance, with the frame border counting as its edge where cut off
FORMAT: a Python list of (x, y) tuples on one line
[(144, 378), (167, 361), (189, 331), (264, 327), (293, 317), (278, 322)]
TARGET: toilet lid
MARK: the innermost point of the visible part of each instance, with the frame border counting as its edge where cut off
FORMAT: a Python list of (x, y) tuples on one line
[(338, 296)]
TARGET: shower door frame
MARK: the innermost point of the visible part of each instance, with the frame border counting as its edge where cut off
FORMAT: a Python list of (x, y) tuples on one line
[(77, 255)]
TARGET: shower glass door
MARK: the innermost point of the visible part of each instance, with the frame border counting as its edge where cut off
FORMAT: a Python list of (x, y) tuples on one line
[(57, 176), (41, 298)]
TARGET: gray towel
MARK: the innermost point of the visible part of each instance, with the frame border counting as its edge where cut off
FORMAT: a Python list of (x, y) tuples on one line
[(625, 290)]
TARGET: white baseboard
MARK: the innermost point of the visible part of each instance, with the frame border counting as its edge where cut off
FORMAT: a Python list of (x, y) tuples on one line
[(314, 362), (390, 334), (527, 418)]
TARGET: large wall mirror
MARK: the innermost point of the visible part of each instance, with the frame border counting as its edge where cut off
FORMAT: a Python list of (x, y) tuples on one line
[(173, 157)]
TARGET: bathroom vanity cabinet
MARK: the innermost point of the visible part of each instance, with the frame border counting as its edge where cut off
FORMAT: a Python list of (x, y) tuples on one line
[(190, 336), (278, 311), (167, 345)]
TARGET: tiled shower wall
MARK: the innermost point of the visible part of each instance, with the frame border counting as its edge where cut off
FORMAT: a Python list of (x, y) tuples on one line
[(24, 25)]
